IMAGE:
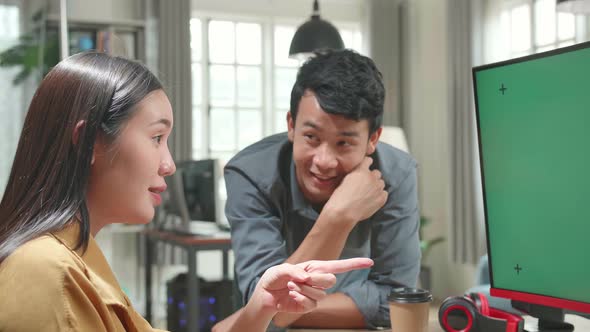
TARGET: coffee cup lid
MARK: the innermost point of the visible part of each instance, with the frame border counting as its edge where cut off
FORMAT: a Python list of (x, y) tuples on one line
[(409, 295)]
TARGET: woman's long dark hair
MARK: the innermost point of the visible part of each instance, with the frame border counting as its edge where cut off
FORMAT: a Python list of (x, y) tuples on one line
[(47, 186)]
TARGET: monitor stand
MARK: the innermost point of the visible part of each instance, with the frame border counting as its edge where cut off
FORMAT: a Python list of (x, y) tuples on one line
[(550, 319)]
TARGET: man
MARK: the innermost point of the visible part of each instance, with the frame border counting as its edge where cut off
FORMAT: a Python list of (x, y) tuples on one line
[(326, 190)]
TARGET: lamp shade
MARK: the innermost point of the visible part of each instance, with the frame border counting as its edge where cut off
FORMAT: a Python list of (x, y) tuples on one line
[(313, 35), (395, 137), (574, 6)]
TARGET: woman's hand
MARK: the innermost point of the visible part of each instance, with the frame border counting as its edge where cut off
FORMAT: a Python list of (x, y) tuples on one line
[(298, 288), (288, 288)]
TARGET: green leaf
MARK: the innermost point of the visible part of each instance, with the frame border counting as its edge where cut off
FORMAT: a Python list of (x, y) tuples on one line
[(427, 245), (424, 221), (29, 51), (21, 76), (26, 55), (432, 242)]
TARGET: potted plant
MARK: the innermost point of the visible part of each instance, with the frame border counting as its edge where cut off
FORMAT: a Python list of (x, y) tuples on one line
[(36, 52), (425, 246)]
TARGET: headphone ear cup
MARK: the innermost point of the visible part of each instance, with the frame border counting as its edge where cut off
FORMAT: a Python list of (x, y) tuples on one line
[(458, 314), (485, 305), (481, 302)]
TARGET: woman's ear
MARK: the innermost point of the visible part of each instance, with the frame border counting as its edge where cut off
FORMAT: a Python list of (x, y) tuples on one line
[(76, 136)]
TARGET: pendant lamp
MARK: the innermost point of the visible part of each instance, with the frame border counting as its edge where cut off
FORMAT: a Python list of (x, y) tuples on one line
[(313, 35)]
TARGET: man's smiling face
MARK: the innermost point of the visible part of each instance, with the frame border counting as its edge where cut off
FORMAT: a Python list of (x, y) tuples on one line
[(326, 147)]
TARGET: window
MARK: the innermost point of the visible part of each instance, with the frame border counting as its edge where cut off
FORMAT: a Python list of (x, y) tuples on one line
[(285, 73), (197, 82), (242, 79), (10, 95), (231, 105), (531, 26)]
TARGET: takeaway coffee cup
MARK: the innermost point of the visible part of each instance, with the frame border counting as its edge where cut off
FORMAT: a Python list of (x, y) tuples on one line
[(408, 309)]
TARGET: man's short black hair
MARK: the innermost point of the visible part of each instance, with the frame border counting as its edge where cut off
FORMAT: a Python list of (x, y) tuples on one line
[(344, 83)]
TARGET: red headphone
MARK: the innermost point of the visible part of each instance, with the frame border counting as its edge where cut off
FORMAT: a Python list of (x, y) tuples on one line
[(472, 313)]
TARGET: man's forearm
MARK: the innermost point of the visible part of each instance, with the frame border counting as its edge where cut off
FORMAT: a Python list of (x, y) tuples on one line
[(334, 311), (325, 240)]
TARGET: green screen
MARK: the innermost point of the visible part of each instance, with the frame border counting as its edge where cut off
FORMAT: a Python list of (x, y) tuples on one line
[(534, 122)]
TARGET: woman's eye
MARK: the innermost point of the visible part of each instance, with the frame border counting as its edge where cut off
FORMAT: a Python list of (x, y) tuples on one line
[(157, 139)]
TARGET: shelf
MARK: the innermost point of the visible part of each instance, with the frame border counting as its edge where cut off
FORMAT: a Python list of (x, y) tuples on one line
[(115, 23)]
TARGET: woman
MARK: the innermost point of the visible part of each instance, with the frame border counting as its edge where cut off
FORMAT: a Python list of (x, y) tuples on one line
[(93, 151)]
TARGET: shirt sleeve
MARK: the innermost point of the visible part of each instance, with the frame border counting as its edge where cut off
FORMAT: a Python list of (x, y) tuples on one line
[(256, 226), (395, 249)]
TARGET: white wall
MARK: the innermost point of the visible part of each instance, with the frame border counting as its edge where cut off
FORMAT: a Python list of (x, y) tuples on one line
[(384, 45), (340, 10), (427, 99)]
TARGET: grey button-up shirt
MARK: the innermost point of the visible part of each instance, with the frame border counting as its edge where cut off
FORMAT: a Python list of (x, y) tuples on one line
[(270, 217)]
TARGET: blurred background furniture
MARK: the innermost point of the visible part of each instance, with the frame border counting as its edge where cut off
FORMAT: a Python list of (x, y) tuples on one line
[(191, 244)]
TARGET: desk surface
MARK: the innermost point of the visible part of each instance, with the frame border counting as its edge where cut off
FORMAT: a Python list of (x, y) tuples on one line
[(580, 324), (433, 326), (185, 239)]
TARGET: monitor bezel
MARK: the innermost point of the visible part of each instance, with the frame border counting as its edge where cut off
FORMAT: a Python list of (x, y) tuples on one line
[(507, 293)]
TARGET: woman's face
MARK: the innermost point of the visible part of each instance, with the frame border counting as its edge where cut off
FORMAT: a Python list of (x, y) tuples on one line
[(127, 175)]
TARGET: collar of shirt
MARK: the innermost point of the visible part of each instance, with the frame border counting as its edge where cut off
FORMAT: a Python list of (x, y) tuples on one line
[(298, 201), (98, 269)]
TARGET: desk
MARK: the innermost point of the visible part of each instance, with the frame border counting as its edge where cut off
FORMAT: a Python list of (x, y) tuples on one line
[(580, 324), (433, 325), (192, 244)]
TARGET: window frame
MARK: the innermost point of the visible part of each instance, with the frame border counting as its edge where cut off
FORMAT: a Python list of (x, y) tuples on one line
[(580, 27)]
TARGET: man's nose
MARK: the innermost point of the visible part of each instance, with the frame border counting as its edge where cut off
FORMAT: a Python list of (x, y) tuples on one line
[(325, 158)]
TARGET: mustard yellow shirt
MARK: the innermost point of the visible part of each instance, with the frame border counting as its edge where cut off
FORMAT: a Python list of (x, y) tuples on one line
[(45, 285)]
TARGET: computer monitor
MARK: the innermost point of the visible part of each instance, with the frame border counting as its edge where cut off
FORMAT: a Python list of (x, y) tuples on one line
[(533, 122), (202, 183)]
